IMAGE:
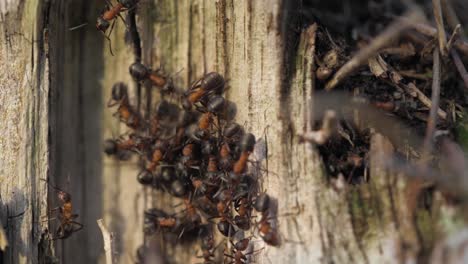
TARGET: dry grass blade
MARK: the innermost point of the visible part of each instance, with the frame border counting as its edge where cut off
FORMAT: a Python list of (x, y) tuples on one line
[(440, 27), (107, 236), (460, 67), (435, 98), (381, 41)]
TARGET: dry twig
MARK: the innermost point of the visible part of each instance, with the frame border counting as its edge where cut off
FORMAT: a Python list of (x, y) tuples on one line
[(440, 27), (107, 236), (460, 67), (435, 98)]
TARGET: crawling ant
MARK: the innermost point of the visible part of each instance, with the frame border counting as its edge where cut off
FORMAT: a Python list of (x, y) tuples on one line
[(140, 73), (244, 208), (160, 148), (230, 134), (267, 232), (68, 225), (237, 256), (120, 147), (104, 20), (163, 118), (225, 225), (211, 83), (125, 112), (207, 244), (247, 145), (158, 220)]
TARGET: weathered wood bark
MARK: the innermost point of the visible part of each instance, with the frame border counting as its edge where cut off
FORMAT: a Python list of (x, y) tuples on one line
[(53, 93)]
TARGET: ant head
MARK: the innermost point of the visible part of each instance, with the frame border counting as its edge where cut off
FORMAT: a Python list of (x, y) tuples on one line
[(64, 196), (247, 142), (110, 147), (119, 91), (145, 177), (102, 24), (138, 71), (128, 3), (262, 203)]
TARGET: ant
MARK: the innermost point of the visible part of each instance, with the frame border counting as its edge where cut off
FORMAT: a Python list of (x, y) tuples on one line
[(247, 145), (225, 225), (140, 73), (163, 117), (160, 149), (103, 21), (211, 83), (237, 256), (68, 225), (126, 113), (267, 232), (119, 147), (156, 220), (207, 244), (244, 209), (230, 134)]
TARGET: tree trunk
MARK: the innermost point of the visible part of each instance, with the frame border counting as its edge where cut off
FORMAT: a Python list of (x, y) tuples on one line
[(54, 90)]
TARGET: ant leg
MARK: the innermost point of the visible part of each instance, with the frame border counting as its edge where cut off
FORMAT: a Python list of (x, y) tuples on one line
[(50, 219), (108, 3), (108, 38), (124, 21), (80, 226)]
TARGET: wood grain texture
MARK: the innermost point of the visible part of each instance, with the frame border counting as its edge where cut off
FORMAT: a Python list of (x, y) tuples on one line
[(24, 88)]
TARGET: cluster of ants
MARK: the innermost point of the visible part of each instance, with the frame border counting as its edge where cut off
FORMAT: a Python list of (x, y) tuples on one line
[(194, 151)]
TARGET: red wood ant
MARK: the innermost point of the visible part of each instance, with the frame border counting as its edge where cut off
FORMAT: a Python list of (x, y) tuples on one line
[(267, 232), (104, 20), (247, 145), (120, 146), (237, 256), (140, 73), (68, 225), (211, 83), (126, 113)]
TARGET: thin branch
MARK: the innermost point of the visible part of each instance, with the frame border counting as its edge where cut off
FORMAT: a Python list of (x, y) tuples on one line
[(381, 41), (432, 121), (430, 31), (440, 27), (460, 67), (107, 236), (424, 99)]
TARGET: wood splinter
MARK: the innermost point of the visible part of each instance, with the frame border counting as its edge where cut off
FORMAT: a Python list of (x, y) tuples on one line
[(329, 127)]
